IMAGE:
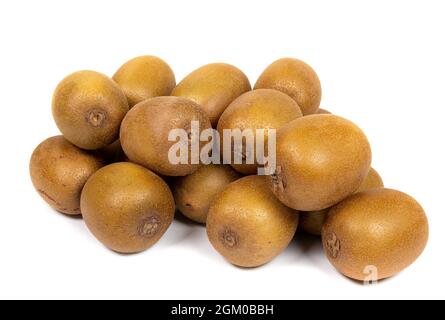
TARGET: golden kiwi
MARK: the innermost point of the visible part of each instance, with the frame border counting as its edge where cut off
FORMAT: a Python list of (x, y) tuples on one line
[(88, 108), (375, 234), (295, 78), (257, 109), (372, 181), (194, 193), (59, 170), (312, 221), (145, 77), (323, 111), (321, 159), (145, 133), (213, 87), (127, 207), (113, 153), (247, 225)]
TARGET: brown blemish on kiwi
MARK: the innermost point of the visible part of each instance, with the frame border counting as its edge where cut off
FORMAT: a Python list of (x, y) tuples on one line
[(150, 226), (189, 136), (279, 185), (229, 238), (333, 245), (47, 196)]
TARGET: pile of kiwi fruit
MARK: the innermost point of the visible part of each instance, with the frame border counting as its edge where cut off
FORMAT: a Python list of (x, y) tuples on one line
[(110, 166)]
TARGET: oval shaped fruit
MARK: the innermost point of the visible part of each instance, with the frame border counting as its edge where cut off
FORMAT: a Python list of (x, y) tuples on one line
[(59, 170), (213, 87), (247, 225), (145, 133), (321, 159), (88, 108), (194, 193), (375, 234), (312, 221), (145, 77), (257, 109), (295, 78), (127, 207)]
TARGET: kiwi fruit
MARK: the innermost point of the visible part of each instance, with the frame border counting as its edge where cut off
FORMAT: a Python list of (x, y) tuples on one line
[(194, 193), (321, 159), (312, 221), (295, 78), (323, 111), (113, 153), (59, 170), (127, 207), (213, 87), (257, 109), (145, 133), (88, 108), (247, 225), (382, 231), (145, 77), (373, 180)]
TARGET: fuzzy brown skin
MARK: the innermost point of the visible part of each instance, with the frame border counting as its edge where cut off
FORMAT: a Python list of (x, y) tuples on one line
[(258, 109), (295, 78), (145, 77), (312, 221), (127, 207), (323, 111), (59, 170), (321, 159), (213, 87), (88, 108), (380, 227), (113, 153), (194, 193), (145, 130), (372, 181), (247, 225)]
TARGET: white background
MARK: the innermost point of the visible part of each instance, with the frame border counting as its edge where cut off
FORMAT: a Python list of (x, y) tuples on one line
[(381, 64)]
